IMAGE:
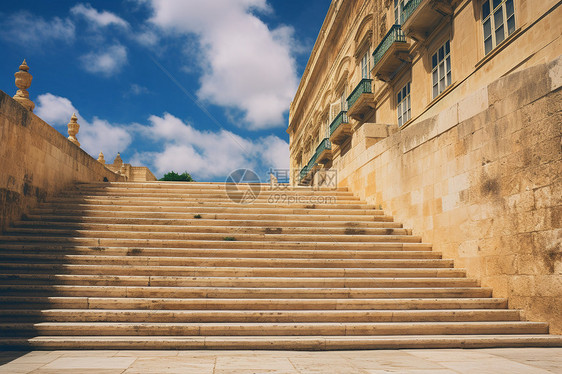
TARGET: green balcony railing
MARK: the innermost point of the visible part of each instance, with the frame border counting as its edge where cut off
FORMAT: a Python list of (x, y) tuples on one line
[(363, 87), (304, 172), (394, 35), (340, 118), (324, 144), (410, 8)]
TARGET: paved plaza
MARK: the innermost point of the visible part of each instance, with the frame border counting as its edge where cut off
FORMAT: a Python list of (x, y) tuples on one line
[(444, 361)]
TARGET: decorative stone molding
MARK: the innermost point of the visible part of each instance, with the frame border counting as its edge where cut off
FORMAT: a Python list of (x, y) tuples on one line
[(23, 82), (73, 128)]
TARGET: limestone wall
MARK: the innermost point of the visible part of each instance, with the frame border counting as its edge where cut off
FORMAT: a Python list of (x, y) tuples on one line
[(482, 181), (36, 161)]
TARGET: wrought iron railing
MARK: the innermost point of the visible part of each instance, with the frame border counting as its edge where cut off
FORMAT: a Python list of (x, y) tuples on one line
[(340, 118), (324, 144), (363, 87), (394, 35), (409, 8), (304, 172)]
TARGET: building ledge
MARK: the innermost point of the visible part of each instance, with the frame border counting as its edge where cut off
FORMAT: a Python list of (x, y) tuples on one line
[(423, 16)]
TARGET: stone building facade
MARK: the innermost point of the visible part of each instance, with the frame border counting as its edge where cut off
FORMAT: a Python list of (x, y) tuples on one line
[(447, 113)]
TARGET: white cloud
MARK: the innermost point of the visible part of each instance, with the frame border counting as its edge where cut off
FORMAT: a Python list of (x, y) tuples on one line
[(98, 19), (246, 66), (145, 37), (100, 135), (26, 29), (105, 62), (54, 110), (137, 89), (95, 136), (206, 154)]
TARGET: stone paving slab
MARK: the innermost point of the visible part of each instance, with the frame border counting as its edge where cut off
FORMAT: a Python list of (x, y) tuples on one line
[(410, 361)]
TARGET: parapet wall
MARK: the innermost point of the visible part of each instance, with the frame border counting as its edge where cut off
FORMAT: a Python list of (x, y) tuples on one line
[(482, 181), (36, 161)]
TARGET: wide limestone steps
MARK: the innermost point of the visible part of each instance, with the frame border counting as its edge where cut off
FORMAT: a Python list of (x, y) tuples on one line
[(166, 265)]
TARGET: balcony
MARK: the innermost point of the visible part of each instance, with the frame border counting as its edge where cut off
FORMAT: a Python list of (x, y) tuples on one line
[(390, 54), (340, 128), (324, 151), (421, 17), (322, 155), (361, 101)]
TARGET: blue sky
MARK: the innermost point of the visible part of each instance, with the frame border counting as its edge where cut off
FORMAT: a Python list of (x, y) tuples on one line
[(184, 85)]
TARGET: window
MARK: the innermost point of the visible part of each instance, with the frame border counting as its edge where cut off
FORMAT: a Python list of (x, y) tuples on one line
[(343, 101), (399, 11), (366, 66), (498, 21), (404, 107), (441, 69)]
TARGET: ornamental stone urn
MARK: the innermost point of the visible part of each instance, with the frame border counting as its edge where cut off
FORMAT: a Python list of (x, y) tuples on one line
[(23, 82), (73, 128)]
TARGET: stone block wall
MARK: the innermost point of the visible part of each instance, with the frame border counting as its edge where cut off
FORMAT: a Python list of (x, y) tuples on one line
[(482, 181), (36, 161)]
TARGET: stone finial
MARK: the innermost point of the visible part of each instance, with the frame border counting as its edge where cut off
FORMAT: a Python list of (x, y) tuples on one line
[(118, 162), (272, 178), (73, 128), (23, 82), (101, 159)]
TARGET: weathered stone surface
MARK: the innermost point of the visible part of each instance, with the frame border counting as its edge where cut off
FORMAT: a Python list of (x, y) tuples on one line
[(492, 187), (37, 161)]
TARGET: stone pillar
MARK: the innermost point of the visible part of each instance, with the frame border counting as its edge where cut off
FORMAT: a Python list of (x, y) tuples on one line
[(23, 82), (73, 128)]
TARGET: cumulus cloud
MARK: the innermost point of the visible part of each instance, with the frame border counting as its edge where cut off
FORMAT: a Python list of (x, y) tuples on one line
[(207, 154), (181, 147), (55, 110), (247, 66), (24, 28), (96, 18), (95, 136), (105, 62)]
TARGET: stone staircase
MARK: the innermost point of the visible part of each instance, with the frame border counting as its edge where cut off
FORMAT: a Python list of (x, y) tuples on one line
[(182, 266)]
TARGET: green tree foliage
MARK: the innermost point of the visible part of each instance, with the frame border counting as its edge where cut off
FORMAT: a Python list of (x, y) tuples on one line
[(175, 177)]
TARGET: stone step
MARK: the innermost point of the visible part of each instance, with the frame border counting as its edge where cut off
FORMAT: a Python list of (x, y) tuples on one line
[(228, 253), (199, 185), (263, 282), (271, 202), (243, 292), (129, 265), (148, 224), (170, 216), (185, 316), (61, 230), (214, 304), (61, 208), (279, 263), (44, 234), (254, 271), (317, 343), (98, 243), (240, 189), (311, 197), (271, 329)]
